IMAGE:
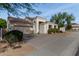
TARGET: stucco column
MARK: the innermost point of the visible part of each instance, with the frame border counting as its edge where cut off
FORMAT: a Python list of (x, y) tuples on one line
[(37, 26)]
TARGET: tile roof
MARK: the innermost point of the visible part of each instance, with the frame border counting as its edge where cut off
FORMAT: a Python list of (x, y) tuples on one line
[(13, 20)]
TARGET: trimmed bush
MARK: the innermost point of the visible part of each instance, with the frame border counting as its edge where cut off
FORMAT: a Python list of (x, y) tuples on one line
[(53, 30), (13, 36), (50, 31)]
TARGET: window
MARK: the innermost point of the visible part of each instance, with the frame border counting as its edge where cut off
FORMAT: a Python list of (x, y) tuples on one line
[(50, 26), (54, 26)]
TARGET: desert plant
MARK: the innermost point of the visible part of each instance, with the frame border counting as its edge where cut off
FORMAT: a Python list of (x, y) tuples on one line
[(13, 36)]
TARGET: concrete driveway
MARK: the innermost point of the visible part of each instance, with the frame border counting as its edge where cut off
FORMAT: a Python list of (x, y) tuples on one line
[(62, 44)]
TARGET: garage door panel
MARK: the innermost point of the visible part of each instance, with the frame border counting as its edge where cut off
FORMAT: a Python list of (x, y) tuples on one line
[(25, 30)]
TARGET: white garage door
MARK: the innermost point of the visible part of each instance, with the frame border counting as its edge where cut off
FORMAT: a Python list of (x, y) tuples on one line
[(25, 30)]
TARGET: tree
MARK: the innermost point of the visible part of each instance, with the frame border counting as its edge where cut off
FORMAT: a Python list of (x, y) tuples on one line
[(68, 19), (18, 9), (58, 19), (62, 18), (3, 23)]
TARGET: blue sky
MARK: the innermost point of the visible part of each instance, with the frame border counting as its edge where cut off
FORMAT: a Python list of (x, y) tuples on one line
[(49, 9)]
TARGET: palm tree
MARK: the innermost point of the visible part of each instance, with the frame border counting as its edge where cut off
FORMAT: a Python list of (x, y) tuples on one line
[(68, 19), (62, 18), (54, 19), (58, 19)]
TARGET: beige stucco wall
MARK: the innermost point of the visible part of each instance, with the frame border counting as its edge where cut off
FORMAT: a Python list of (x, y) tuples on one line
[(43, 27), (38, 28)]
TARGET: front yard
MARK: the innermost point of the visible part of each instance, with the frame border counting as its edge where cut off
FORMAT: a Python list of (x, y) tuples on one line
[(25, 49), (48, 45)]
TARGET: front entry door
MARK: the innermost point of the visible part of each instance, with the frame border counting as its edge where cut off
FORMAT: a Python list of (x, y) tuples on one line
[(41, 28)]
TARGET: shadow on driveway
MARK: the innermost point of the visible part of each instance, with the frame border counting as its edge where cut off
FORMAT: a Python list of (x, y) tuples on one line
[(27, 37)]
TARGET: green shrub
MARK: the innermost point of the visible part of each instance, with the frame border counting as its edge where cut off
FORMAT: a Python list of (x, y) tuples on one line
[(50, 31), (53, 30), (13, 36)]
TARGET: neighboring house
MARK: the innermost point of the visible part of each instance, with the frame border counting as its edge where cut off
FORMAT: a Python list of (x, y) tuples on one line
[(75, 26), (36, 24)]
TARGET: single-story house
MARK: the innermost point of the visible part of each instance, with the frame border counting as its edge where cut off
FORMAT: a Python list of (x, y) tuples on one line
[(30, 24), (19, 24)]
